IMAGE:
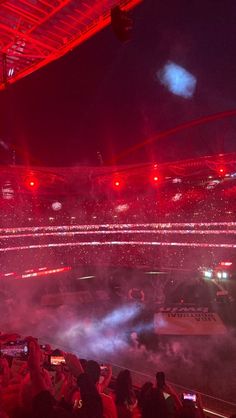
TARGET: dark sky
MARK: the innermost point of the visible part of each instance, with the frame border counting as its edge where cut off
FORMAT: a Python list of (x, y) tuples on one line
[(105, 96)]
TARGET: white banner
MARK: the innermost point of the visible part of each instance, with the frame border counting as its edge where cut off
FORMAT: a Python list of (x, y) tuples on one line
[(188, 321)]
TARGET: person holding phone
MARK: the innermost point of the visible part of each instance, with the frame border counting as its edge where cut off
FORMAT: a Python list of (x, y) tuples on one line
[(105, 377), (172, 400), (43, 403), (160, 401), (89, 402), (191, 406)]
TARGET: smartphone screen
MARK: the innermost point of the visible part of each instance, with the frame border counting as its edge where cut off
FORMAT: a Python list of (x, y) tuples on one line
[(104, 369), (56, 360), (190, 396), (17, 349)]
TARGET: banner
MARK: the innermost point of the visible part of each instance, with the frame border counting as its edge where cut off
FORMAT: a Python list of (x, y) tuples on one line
[(188, 321)]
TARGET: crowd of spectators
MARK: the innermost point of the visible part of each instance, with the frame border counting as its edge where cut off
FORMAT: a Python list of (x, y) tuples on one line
[(46, 383)]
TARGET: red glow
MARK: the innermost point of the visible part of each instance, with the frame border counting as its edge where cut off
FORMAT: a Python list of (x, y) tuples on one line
[(46, 272), (31, 183), (179, 128), (37, 273), (222, 171), (155, 179), (117, 183), (226, 263)]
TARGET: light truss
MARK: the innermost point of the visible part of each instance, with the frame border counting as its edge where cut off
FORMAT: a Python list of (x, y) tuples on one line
[(34, 33)]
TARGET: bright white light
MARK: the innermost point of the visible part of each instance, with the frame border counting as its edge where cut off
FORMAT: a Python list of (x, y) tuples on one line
[(122, 208), (7, 191), (208, 274), (176, 197), (177, 80), (219, 275), (56, 206), (176, 180), (224, 275), (10, 72), (85, 277), (212, 184)]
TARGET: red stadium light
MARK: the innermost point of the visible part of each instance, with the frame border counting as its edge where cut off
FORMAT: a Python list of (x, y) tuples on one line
[(32, 183), (117, 183), (221, 170), (155, 179)]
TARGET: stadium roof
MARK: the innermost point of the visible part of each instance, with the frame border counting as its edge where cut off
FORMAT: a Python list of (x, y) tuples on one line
[(36, 32)]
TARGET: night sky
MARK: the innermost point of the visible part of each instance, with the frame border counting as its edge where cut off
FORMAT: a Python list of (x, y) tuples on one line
[(105, 96)]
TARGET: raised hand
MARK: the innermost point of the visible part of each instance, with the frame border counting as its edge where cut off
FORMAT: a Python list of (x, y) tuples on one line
[(74, 365)]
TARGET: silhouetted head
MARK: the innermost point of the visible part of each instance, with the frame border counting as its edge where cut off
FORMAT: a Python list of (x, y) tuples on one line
[(160, 380), (92, 368), (124, 387)]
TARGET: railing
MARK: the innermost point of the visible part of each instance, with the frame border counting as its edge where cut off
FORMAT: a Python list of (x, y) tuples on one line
[(213, 407)]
